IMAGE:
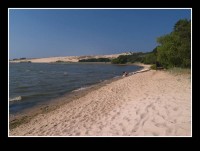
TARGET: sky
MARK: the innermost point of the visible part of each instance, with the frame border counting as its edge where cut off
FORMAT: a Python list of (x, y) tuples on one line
[(35, 33)]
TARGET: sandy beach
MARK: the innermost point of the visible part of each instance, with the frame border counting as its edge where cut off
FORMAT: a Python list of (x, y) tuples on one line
[(150, 103)]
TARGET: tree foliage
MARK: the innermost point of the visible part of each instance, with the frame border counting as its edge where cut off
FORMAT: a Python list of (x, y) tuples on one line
[(150, 58), (175, 48)]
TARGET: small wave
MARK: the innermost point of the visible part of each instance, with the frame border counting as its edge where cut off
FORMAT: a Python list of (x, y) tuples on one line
[(80, 89), (18, 98), (116, 77)]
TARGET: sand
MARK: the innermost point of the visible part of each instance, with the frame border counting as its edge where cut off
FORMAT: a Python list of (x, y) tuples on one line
[(151, 103)]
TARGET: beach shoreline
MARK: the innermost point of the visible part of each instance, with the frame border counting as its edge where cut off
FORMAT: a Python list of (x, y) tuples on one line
[(94, 112), (27, 114)]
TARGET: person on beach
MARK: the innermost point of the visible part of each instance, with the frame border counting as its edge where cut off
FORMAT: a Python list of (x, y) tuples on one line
[(125, 74)]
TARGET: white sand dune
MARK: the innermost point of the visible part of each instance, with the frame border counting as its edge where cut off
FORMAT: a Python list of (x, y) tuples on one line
[(152, 103), (68, 58)]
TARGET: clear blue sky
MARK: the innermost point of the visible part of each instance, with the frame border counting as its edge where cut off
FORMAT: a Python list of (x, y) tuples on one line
[(46, 33)]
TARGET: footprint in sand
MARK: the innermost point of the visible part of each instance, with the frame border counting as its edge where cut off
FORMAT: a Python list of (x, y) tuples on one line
[(138, 110), (175, 109), (113, 118), (153, 107), (158, 98), (126, 118), (143, 115)]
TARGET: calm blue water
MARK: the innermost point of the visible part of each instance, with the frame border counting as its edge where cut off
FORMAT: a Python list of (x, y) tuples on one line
[(33, 83)]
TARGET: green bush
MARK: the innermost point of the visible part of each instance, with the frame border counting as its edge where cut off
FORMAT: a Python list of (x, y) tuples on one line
[(153, 67), (150, 59)]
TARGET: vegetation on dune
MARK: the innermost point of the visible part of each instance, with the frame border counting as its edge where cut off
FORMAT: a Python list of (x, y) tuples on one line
[(95, 60), (135, 57), (59, 61), (146, 58)]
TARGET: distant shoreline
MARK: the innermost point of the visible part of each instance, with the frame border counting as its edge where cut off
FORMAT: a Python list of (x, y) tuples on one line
[(69, 59), (105, 63)]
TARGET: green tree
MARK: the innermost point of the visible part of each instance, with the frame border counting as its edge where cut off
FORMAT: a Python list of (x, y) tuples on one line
[(150, 58), (175, 48)]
